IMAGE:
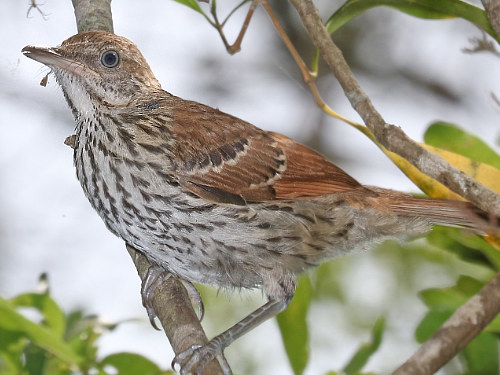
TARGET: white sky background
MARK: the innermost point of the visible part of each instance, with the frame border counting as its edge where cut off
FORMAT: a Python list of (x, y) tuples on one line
[(46, 224)]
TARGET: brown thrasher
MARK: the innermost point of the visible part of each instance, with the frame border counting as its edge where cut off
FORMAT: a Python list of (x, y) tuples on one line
[(210, 198)]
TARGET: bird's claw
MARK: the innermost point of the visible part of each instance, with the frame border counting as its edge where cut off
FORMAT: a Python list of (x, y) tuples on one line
[(195, 297), (181, 357), (154, 278), (195, 358)]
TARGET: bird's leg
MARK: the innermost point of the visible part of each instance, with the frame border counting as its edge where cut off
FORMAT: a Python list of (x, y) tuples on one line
[(154, 278), (196, 357)]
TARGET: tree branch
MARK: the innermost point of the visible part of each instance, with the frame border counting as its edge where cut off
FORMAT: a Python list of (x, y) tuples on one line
[(93, 15), (391, 137), (492, 8), (467, 322), (174, 310), (170, 300)]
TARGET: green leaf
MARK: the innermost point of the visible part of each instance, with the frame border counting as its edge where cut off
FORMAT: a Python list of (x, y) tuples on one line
[(53, 315), (293, 326), (468, 286), (131, 364), (326, 280), (494, 326), (193, 4), (82, 333), (361, 357), (432, 321), (442, 304), (46, 338), (442, 299), (36, 360), (452, 138), (449, 299), (430, 9), (11, 350), (469, 248), (481, 355), (84, 343)]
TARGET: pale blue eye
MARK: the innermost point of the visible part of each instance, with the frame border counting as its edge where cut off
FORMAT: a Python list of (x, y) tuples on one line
[(110, 59)]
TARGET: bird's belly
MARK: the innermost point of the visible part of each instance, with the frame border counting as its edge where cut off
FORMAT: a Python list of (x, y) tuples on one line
[(186, 235)]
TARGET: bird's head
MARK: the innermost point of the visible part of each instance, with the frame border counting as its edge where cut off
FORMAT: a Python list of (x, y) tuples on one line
[(103, 67)]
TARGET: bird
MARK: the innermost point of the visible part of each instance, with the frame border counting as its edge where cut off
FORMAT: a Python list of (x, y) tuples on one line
[(210, 198)]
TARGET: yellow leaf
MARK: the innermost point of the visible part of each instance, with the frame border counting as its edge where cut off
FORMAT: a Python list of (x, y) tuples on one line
[(427, 184), (484, 173)]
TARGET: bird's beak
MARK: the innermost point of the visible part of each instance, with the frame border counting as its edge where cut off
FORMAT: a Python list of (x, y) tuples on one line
[(53, 57)]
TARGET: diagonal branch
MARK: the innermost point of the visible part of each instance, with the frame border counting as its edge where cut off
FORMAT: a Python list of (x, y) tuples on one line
[(390, 136), (467, 322)]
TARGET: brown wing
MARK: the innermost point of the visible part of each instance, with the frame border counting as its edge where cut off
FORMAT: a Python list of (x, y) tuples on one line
[(308, 174), (224, 159)]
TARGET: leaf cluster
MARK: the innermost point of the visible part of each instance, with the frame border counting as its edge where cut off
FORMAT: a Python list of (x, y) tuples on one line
[(38, 338)]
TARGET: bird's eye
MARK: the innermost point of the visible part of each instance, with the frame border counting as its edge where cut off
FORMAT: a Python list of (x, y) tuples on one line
[(110, 59)]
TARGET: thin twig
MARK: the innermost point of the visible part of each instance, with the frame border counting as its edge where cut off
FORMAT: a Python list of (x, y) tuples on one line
[(483, 44), (234, 10), (309, 78), (34, 5), (236, 46)]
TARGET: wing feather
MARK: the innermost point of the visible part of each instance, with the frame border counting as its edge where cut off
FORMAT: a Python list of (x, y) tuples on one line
[(221, 158)]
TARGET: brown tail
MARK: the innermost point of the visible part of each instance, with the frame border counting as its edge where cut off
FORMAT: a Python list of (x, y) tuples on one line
[(444, 212)]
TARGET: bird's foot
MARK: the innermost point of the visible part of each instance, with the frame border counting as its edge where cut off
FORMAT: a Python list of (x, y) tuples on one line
[(194, 359), (154, 278)]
